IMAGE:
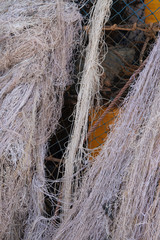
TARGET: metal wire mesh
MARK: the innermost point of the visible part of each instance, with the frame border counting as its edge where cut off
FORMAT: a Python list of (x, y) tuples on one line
[(129, 34)]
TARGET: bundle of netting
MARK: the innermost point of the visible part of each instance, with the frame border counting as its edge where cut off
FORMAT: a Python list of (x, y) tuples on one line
[(37, 39), (89, 90), (120, 194)]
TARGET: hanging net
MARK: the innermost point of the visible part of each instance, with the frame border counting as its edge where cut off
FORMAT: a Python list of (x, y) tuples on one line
[(65, 69), (37, 40)]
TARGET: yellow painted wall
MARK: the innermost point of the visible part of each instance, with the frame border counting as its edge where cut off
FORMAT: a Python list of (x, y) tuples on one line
[(99, 135), (152, 6)]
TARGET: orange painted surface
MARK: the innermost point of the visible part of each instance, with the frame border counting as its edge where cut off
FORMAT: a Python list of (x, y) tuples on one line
[(152, 11), (98, 137)]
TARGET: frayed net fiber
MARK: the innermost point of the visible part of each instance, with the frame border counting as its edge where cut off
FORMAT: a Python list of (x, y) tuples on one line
[(89, 88), (120, 195), (37, 39)]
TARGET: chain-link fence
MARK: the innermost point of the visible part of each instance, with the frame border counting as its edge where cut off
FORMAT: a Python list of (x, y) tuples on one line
[(130, 33)]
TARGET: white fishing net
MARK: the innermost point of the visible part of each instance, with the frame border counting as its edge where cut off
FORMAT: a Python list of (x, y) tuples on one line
[(90, 83), (120, 195), (115, 198), (37, 39)]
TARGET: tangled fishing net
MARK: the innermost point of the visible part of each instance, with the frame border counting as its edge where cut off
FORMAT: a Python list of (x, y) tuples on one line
[(37, 39), (120, 195)]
